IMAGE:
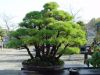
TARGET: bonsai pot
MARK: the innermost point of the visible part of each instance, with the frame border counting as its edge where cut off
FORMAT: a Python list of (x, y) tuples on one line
[(42, 68), (33, 67)]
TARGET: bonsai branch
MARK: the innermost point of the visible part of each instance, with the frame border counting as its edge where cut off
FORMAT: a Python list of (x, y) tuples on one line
[(25, 46), (58, 33), (62, 52), (56, 49)]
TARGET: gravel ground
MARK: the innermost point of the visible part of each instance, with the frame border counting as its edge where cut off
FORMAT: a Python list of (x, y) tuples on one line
[(10, 60)]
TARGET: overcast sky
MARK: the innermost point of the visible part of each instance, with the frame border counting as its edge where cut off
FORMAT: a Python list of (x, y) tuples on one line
[(88, 9)]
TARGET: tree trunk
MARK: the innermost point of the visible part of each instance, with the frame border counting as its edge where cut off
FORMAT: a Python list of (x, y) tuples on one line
[(29, 53), (52, 50), (37, 53), (59, 56), (37, 49), (42, 49), (56, 50), (48, 49), (62, 53)]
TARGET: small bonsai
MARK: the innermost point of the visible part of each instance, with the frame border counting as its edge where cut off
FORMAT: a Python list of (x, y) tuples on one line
[(95, 59), (51, 32)]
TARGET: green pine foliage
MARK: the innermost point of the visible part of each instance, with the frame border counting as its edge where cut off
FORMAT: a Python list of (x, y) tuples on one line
[(49, 31)]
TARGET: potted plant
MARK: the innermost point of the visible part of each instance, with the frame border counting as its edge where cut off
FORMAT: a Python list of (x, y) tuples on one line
[(95, 59), (51, 32)]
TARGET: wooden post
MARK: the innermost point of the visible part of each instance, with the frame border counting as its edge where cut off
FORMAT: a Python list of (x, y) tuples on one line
[(85, 57)]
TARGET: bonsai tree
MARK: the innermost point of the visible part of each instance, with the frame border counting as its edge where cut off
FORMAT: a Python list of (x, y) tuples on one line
[(51, 32)]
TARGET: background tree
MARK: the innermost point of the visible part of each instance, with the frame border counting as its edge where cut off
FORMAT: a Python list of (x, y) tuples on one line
[(50, 31), (82, 24), (2, 35), (7, 21)]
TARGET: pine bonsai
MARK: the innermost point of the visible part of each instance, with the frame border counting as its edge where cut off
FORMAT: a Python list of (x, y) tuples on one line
[(51, 32)]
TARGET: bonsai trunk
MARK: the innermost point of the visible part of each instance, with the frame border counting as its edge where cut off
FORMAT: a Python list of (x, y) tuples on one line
[(52, 50), (37, 49), (62, 53), (48, 49), (38, 53), (54, 54), (29, 53)]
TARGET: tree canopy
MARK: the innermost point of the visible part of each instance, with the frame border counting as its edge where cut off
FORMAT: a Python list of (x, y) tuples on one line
[(49, 31)]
